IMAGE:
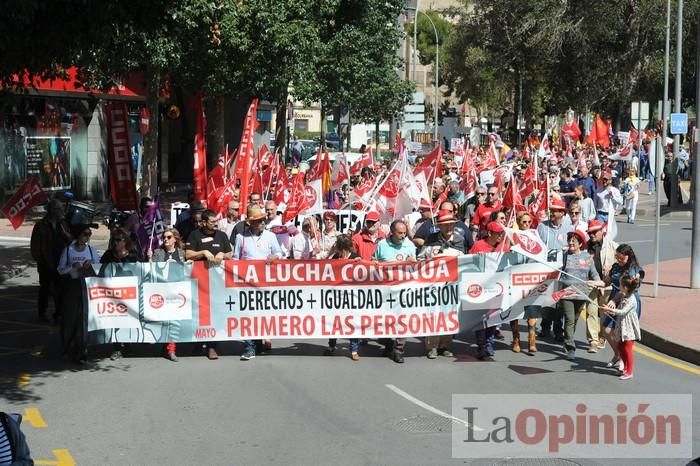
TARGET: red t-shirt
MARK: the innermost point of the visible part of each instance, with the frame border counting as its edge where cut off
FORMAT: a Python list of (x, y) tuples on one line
[(483, 212), (363, 244), (483, 246)]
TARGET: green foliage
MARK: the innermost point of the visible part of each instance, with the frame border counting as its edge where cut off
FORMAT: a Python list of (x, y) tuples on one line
[(426, 34), (599, 55)]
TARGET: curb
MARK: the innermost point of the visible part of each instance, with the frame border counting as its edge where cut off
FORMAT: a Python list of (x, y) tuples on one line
[(671, 348), (651, 213), (7, 274)]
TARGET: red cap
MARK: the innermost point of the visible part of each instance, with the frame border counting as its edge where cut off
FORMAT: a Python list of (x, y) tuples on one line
[(495, 227), (372, 217), (557, 204), (595, 225), (425, 204), (580, 235), (444, 217)]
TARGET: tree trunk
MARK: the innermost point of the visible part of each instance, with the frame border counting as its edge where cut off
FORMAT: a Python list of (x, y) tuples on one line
[(214, 108), (376, 140), (281, 134), (149, 163)]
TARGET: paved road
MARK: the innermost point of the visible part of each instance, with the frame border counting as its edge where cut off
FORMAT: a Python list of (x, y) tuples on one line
[(294, 406)]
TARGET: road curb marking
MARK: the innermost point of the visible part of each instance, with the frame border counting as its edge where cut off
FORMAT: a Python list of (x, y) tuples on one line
[(667, 361)]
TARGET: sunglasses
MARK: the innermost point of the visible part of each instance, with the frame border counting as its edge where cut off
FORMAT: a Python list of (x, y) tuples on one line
[(526, 222), (574, 212), (493, 194), (167, 236), (481, 194)]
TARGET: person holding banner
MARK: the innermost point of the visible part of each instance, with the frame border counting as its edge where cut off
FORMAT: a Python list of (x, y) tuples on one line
[(256, 243), (119, 251), (397, 247), (343, 250), (602, 248), (554, 235), (74, 264), (208, 243), (170, 250), (579, 275)]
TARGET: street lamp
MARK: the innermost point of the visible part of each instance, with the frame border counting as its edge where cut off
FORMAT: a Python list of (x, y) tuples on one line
[(437, 62)]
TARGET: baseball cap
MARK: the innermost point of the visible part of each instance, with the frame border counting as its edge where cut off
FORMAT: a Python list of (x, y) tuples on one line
[(372, 217), (495, 227)]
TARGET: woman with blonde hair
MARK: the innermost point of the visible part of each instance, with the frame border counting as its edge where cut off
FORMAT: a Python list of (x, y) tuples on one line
[(170, 250)]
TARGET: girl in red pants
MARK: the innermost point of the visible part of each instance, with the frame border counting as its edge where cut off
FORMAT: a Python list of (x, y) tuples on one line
[(624, 310)]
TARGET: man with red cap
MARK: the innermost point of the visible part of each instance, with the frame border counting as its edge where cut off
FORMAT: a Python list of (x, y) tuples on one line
[(554, 235), (493, 242), (365, 242), (602, 249)]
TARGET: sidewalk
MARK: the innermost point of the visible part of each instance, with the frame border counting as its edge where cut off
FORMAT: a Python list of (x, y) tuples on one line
[(646, 206), (671, 321)]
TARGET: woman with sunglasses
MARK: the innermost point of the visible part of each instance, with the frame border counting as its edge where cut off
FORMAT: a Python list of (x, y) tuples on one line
[(119, 251), (76, 263), (170, 250)]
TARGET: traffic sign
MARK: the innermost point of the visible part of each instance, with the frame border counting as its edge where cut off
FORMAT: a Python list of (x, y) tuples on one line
[(679, 123), (418, 126)]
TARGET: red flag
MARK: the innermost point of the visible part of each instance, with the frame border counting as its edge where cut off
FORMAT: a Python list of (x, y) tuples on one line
[(199, 169), (441, 198), (217, 175), (572, 131), (366, 160), (469, 181), (539, 205), (431, 165), (121, 172), (269, 173), (634, 136), (339, 173), (246, 151), (499, 176), (512, 198), (527, 182), (490, 160), (282, 186), (30, 194), (297, 200), (600, 133)]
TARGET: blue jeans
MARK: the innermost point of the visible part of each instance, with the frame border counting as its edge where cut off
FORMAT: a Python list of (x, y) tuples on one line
[(602, 216), (249, 346), (485, 340), (354, 344)]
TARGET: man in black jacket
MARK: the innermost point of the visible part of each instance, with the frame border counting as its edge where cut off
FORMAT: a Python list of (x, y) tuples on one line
[(49, 237), (13, 445)]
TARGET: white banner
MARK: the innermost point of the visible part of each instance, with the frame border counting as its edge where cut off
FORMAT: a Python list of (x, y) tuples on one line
[(167, 301), (112, 303)]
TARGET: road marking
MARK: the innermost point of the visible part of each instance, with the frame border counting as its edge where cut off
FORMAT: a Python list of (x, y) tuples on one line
[(670, 362), (427, 407), (23, 380), (15, 239), (63, 458), (33, 416)]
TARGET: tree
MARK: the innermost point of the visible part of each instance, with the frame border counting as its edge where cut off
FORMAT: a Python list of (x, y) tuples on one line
[(356, 65)]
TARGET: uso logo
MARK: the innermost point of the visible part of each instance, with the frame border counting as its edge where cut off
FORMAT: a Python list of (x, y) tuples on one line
[(474, 290), (156, 301)]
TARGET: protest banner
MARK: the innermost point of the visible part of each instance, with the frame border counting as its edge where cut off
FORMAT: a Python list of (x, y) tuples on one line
[(311, 299)]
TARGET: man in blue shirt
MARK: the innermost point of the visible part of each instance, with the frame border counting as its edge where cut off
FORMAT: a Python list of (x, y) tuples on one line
[(395, 248), (586, 181)]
